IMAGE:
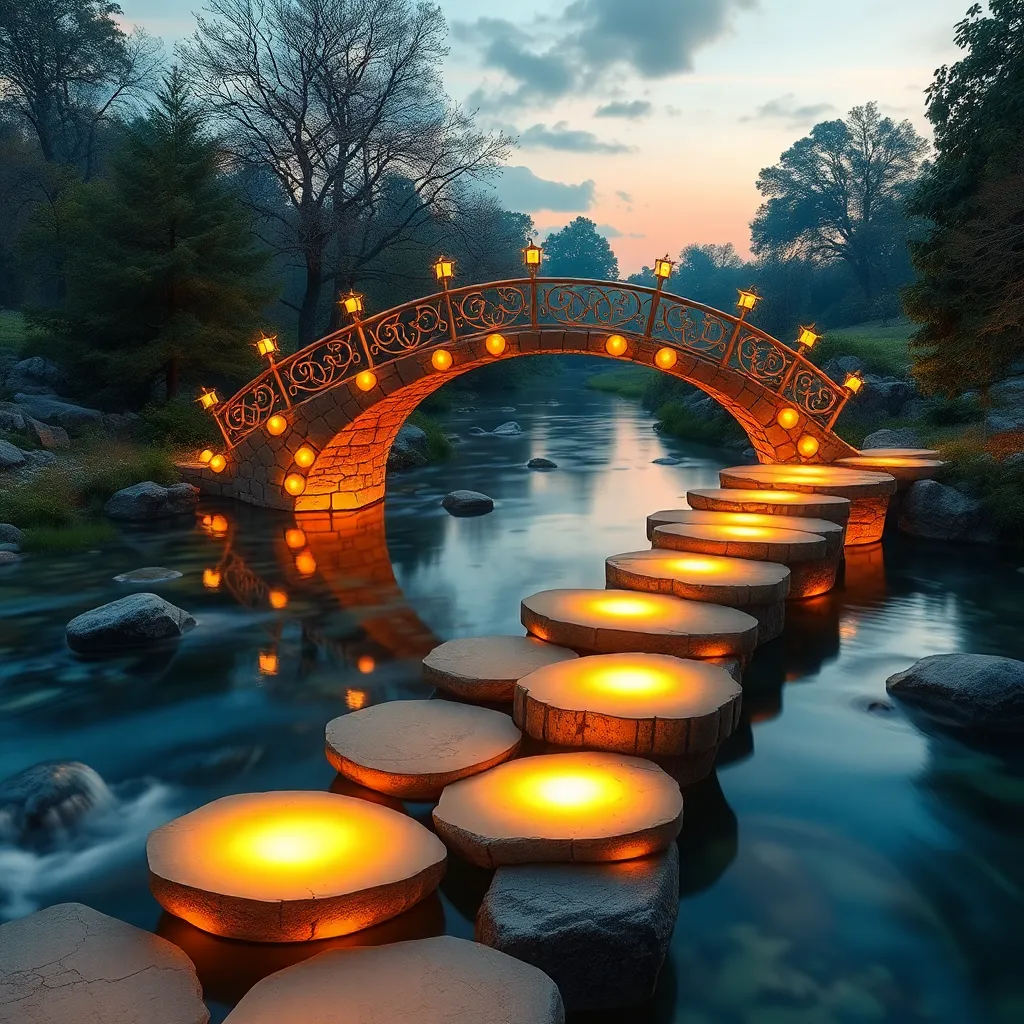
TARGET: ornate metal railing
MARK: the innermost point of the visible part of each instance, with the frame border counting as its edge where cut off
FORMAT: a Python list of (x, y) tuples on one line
[(538, 303)]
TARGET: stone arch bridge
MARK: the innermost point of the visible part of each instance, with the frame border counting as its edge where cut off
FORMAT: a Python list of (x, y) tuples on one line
[(312, 433)]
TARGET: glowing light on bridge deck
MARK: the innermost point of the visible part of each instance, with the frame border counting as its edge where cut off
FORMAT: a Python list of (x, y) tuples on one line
[(616, 345), (305, 457), (205, 455), (561, 807), (495, 344), (665, 358), (277, 425), (788, 418), (645, 704), (807, 446), (295, 538), (294, 484), (441, 359), (217, 463), (211, 579), (268, 663), (291, 866), (305, 563), (366, 381), (278, 599)]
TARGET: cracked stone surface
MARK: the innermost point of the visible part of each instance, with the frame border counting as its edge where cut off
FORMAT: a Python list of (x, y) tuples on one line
[(414, 748), (442, 980), (70, 964)]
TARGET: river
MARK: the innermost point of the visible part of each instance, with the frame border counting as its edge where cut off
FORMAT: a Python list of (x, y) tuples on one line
[(844, 865)]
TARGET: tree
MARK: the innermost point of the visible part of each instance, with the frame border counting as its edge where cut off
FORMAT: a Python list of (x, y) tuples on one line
[(165, 279), (579, 251), (341, 100), (65, 68), (969, 299), (838, 195)]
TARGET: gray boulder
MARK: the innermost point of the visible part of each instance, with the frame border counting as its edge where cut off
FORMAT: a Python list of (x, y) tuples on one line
[(11, 534), (151, 501), (1011, 461), (9, 557), (55, 410), (541, 463), (510, 429), (11, 457), (1008, 392), (409, 448), (12, 419), (39, 803), (34, 376), (1004, 421), (477, 431), (599, 931), (966, 691), (937, 512), (840, 366), (148, 574), (901, 437), (133, 621), (666, 460), (467, 503), (884, 396)]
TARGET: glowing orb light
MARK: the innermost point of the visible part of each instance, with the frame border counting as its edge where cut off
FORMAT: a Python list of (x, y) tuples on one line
[(217, 463), (788, 418), (665, 358), (305, 457), (807, 446), (561, 807), (277, 425), (366, 381), (278, 599), (616, 345), (205, 456), (645, 704), (614, 621), (294, 484), (366, 664), (219, 526), (495, 344), (414, 748), (441, 359), (291, 866)]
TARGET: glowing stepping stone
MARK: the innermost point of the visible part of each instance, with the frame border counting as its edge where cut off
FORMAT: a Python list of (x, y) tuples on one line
[(487, 668), (561, 807), (291, 866), (772, 503), (649, 705), (900, 453), (812, 570), (442, 980), (906, 469), (758, 588), (616, 621), (414, 748), (869, 493)]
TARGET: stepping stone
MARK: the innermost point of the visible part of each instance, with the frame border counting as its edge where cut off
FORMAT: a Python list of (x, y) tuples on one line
[(442, 980), (414, 748), (599, 931), (487, 668), (619, 621), (150, 574), (589, 806), (900, 453), (757, 588), (772, 503), (812, 569), (72, 965), (648, 705), (291, 866), (906, 469), (868, 493)]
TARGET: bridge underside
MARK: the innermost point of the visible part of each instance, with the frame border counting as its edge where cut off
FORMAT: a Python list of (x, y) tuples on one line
[(352, 431)]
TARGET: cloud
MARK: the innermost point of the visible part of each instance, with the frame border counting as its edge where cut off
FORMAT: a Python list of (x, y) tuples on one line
[(624, 196), (632, 111), (785, 108), (610, 231), (571, 140), (520, 189)]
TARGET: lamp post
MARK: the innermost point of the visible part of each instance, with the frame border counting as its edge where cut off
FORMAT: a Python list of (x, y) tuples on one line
[(851, 386), (444, 271), (532, 256), (662, 272), (352, 305), (208, 401), (267, 347), (746, 301), (807, 339)]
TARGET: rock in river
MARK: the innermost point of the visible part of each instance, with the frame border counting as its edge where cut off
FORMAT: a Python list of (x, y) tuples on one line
[(467, 503), (151, 501), (541, 463), (968, 691), (510, 429), (133, 621), (148, 574)]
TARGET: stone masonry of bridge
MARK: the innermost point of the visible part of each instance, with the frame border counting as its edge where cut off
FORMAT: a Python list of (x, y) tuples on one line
[(351, 431)]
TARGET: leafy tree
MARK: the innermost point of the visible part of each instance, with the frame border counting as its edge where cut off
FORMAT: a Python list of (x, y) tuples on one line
[(838, 195), (579, 251), (969, 299), (165, 279)]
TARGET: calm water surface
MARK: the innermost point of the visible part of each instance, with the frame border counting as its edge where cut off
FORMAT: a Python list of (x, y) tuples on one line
[(843, 866)]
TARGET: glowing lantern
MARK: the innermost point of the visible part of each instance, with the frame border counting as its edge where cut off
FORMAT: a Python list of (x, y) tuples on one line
[(665, 358), (267, 346), (356, 699), (747, 300), (615, 345), (268, 663), (532, 255), (291, 866), (305, 457), (441, 359), (663, 268), (278, 599), (352, 304), (217, 463), (208, 399), (807, 338), (853, 383), (211, 579), (295, 538), (444, 269), (294, 484), (366, 664), (366, 381), (788, 418), (205, 455), (305, 563), (807, 446), (277, 425), (495, 344)]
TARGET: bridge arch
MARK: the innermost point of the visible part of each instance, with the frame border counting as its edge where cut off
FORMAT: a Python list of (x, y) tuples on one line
[(345, 397)]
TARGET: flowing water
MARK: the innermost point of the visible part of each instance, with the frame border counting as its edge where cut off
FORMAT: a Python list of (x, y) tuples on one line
[(843, 865)]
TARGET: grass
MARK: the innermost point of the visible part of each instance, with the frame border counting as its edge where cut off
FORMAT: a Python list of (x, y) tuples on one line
[(13, 332), (716, 428), (73, 537), (881, 345), (439, 447), (624, 381)]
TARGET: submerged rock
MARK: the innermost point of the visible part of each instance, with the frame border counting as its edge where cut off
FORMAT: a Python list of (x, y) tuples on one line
[(467, 503), (134, 621), (477, 431), (9, 557), (968, 691), (409, 448), (151, 501), (510, 429), (937, 512), (149, 574), (541, 463), (666, 460)]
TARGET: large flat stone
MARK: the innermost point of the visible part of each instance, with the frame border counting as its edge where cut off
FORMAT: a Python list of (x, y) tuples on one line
[(69, 964), (134, 621), (771, 502), (599, 931)]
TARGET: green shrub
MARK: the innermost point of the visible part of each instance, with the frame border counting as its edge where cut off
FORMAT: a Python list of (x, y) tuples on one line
[(107, 466), (178, 424), (882, 347), (26, 444), (999, 487), (955, 412), (439, 447), (625, 381), (715, 428), (48, 500), (76, 535)]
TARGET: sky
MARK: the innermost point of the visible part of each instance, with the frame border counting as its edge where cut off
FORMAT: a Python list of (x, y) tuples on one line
[(654, 117)]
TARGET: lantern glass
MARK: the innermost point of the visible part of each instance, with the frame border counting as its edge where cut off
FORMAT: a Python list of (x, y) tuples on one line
[(853, 383), (366, 381), (352, 303), (616, 345), (532, 255), (267, 346), (663, 268), (208, 399), (441, 359), (277, 425), (268, 663), (808, 337), (294, 484), (747, 299), (495, 344), (444, 269)]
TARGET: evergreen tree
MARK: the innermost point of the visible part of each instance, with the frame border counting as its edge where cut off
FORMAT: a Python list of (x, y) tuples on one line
[(969, 299), (165, 280), (579, 251)]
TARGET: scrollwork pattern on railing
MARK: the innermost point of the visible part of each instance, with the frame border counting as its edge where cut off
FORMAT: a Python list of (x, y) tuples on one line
[(608, 307), (328, 362), (700, 330), (815, 393), (763, 359), (250, 408), (491, 309), (408, 328)]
